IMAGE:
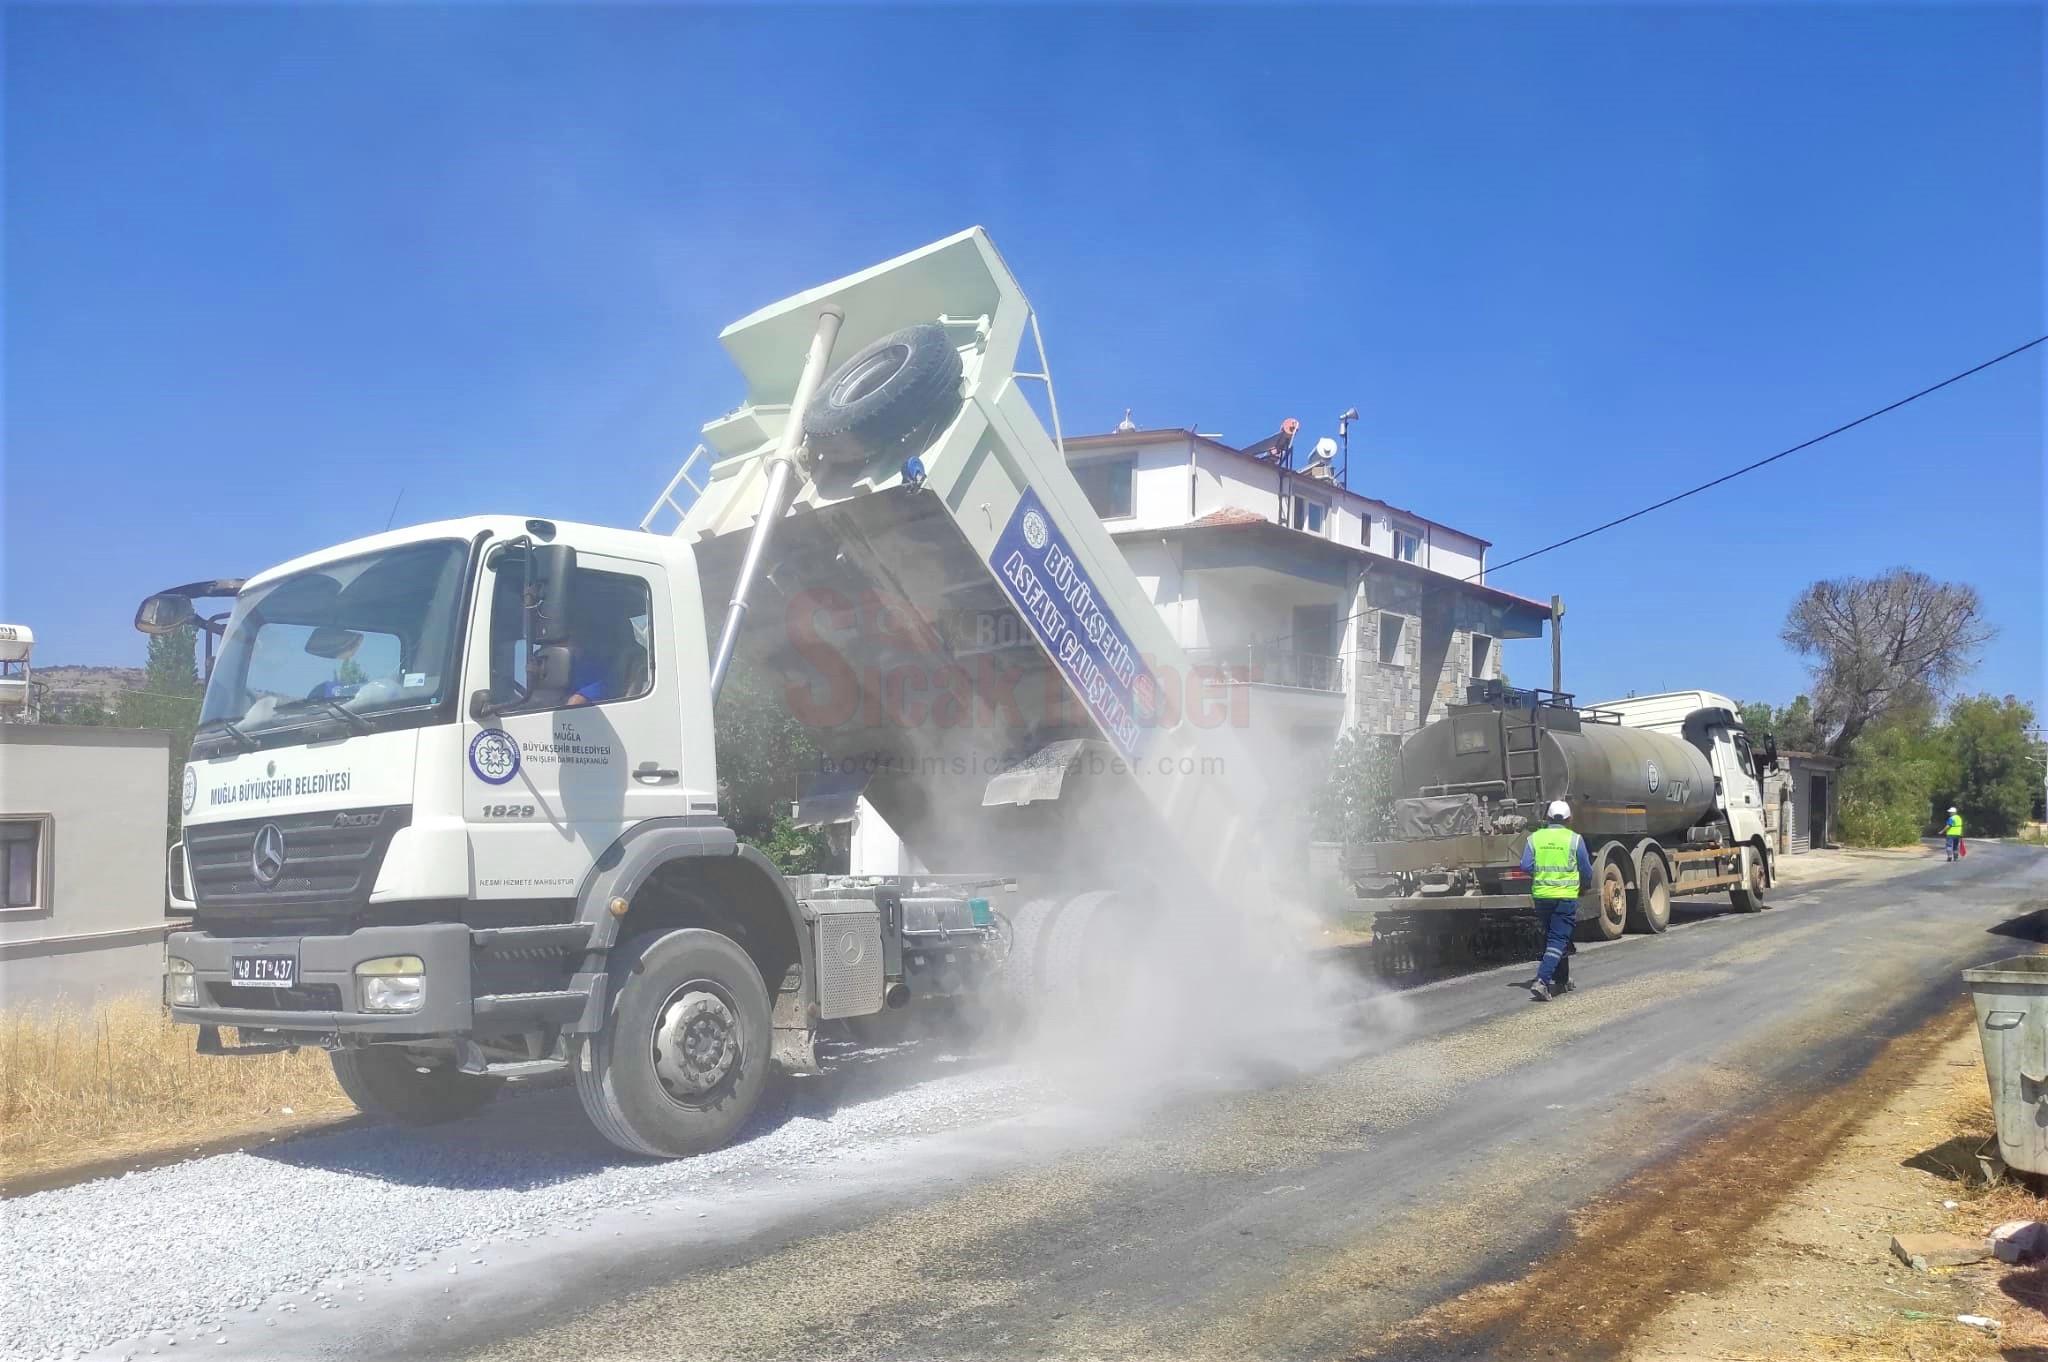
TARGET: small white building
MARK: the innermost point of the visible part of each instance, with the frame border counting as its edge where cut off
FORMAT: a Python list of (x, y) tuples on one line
[(1327, 610), (82, 847), (18, 690)]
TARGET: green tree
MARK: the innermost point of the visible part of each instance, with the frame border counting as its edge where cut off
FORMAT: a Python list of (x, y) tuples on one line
[(1991, 769), (762, 752), (1889, 784), (77, 709), (1352, 805), (1792, 724), (349, 672), (169, 700), (1756, 716)]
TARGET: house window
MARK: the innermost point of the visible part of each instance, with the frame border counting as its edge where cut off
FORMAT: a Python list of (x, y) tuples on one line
[(1391, 626), (1365, 529), (1309, 515), (1482, 657), (1407, 544), (22, 864), (1107, 484), (1315, 630)]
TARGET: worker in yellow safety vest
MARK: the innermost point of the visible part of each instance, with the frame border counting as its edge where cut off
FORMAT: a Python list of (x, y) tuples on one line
[(1953, 831), (1560, 872)]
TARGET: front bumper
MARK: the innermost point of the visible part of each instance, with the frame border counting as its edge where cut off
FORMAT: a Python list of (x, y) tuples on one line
[(329, 962)]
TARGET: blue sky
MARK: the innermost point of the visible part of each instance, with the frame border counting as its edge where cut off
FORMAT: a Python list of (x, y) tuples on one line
[(265, 267)]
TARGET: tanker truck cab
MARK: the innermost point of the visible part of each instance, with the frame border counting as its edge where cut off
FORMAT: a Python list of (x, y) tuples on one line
[(1710, 723)]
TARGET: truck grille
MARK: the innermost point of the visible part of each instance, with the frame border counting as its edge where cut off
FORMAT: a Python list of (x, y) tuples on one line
[(329, 865), (304, 998)]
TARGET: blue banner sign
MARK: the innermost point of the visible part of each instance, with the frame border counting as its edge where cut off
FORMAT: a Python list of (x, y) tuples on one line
[(1052, 592)]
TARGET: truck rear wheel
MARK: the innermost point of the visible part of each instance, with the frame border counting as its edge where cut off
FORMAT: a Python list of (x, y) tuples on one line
[(385, 1081), (683, 1055), (1610, 896), (1653, 897)]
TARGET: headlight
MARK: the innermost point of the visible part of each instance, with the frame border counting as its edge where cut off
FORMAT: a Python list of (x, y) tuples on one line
[(181, 988), (392, 983)]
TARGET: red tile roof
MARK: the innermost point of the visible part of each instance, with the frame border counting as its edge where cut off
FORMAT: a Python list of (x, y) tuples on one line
[(1231, 515)]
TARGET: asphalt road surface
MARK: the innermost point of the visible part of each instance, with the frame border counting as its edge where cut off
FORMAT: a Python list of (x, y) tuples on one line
[(931, 1204)]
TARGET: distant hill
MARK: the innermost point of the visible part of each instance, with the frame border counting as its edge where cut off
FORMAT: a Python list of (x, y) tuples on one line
[(76, 685)]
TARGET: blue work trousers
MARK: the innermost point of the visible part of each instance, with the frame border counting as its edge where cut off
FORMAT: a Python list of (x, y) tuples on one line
[(1560, 917)]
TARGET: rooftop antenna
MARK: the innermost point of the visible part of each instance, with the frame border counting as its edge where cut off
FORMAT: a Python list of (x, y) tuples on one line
[(1344, 435)]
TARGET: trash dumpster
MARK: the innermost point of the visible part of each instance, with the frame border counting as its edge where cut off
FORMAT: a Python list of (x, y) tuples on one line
[(2012, 1022)]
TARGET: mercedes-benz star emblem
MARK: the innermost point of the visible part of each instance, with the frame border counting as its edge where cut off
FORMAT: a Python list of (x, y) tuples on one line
[(266, 854)]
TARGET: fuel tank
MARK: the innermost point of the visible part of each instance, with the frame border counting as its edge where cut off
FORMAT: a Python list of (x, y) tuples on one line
[(1618, 780)]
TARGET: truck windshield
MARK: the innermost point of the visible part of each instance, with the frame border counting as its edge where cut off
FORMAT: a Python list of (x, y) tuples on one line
[(360, 643)]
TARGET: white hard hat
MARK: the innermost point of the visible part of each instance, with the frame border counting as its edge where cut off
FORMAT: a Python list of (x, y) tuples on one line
[(1951, 808), (1559, 809)]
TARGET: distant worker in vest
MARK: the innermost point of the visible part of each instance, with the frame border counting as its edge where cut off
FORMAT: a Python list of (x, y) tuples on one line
[(1560, 870), (1953, 831)]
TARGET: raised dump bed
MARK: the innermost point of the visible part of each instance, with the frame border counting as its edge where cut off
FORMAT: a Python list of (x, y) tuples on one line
[(946, 610)]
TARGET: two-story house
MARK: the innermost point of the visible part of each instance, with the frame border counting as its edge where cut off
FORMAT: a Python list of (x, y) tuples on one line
[(1339, 610), (1333, 610)]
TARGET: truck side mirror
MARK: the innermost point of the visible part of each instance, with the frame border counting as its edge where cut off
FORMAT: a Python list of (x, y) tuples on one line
[(1770, 751), (165, 613), (550, 568)]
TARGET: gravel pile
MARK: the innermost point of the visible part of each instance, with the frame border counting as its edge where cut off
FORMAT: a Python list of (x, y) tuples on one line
[(177, 1256)]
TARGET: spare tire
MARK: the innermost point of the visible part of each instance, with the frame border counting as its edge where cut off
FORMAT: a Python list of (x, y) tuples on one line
[(901, 384)]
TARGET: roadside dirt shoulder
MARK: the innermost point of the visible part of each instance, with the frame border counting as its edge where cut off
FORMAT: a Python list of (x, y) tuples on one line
[(1771, 1241)]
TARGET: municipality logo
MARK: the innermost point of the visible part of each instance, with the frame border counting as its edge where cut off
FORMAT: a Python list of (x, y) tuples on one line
[(1035, 532), (191, 788), (494, 756)]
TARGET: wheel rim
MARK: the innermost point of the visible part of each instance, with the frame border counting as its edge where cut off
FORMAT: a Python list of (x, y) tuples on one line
[(1613, 897), (1756, 880), (868, 376), (696, 1044)]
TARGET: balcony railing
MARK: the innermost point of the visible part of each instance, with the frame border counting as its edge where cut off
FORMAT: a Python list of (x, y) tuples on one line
[(1263, 664)]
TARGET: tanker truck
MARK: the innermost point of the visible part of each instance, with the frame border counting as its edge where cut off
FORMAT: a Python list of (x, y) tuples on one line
[(1666, 789), (452, 812)]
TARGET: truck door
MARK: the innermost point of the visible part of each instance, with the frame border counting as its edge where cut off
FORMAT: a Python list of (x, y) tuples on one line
[(552, 779), (1741, 786)]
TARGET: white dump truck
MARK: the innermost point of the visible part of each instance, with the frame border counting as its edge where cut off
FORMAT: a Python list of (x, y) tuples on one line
[(452, 811)]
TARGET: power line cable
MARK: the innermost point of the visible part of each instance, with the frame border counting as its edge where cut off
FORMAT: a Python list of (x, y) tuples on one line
[(1727, 477)]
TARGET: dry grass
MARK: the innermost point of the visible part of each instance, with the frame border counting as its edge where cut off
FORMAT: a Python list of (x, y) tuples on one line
[(78, 1088), (2014, 1296)]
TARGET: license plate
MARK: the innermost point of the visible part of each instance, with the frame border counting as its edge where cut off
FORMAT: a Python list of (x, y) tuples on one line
[(263, 971)]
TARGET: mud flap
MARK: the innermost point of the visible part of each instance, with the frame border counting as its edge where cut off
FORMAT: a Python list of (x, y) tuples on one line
[(794, 1049)]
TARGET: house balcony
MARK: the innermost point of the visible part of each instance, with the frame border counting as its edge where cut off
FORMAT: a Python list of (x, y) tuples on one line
[(1259, 664)]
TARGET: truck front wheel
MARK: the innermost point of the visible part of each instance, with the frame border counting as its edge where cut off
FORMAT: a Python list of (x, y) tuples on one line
[(1750, 897), (385, 1081), (683, 1055)]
